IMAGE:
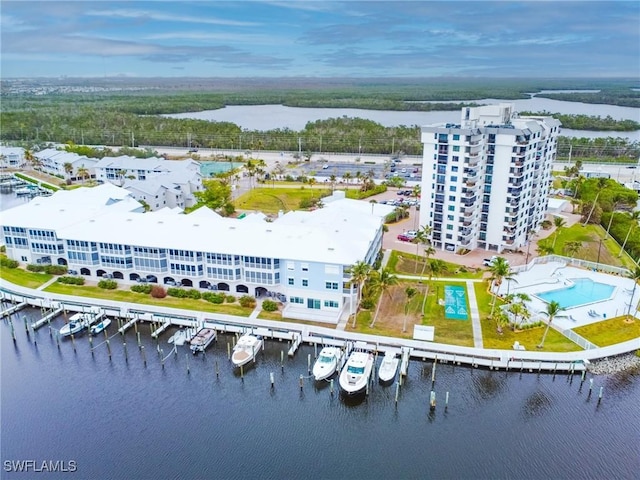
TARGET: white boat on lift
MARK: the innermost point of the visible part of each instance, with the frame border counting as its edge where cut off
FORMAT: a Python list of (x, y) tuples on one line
[(202, 340), (356, 372), (100, 327), (77, 323), (388, 367), (326, 363), (246, 349)]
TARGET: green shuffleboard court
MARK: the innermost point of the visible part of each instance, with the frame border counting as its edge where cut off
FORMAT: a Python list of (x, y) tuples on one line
[(455, 303)]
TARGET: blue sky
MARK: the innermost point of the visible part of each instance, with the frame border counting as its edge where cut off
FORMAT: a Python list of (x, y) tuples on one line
[(320, 39)]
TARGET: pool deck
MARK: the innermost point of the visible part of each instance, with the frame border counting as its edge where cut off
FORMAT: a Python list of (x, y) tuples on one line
[(558, 275)]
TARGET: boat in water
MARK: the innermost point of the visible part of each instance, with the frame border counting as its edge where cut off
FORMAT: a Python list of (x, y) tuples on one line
[(77, 323), (202, 340), (246, 349), (388, 368), (356, 372), (179, 338), (100, 327), (326, 363)]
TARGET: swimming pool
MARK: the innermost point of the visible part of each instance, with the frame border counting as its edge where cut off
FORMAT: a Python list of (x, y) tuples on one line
[(582, 292)]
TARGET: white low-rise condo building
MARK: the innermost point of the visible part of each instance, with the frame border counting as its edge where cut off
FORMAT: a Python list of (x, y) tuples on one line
[(486, 180), (12, 157), (300, 257)]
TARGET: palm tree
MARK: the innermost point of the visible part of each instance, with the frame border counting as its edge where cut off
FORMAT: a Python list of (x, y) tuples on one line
[(381, 283), (68, 168), (410, 292), (359, 272), (553, 308), (635, 276), (347, 177), (422, 238), (521, 309), (500, 270), (436, 267), (544, 249), (82, 172), (559, 224), (572, 248), (332, 179), (634, 217)]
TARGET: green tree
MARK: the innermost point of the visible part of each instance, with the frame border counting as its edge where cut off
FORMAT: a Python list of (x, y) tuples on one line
[(422, 238), (436, 267), (359, 272), (500, 270), (68, 168), (572, 248), (83, 173), (634, 217), (381, 282), (216, 196), (410, 292), (559, 223), (553, 309)]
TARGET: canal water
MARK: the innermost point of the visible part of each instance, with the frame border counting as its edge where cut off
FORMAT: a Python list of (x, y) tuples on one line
[(124, 420)]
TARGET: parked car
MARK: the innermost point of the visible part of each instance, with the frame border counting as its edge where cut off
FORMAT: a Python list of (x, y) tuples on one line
[(172, 283), (193, 150), (72, 272), (487, 262), (404, 237)]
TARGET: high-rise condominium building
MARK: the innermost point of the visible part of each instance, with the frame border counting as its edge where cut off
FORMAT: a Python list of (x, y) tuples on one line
[(486, 180)]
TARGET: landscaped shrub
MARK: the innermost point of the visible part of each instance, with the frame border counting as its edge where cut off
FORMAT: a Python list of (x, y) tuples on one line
[(8, 263), (213, 297), (176, 292), (158, 292), (71, 280), (247, 301), (193, 293), (367, 303), (55, 269), (229, 299), (141, 288), (108, 284), (269, 306), (35, 268)]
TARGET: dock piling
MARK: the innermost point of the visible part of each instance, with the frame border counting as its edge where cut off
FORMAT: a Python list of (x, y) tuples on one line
[(217, 369), (229, 351), (138, 336), (144, 356), (397, 390), (282, 360), (301, 382), (600, 395), (73, 342), (446, 401), (187, 357), (241, 373), (109, 348), (309, 364), (272, 378), (433, 373), (126, 355), (162, 357), (432, 401), (331, 388)]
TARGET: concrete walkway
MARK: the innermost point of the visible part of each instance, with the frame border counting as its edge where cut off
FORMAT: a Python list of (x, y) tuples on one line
[(47, 283), (475, 315)]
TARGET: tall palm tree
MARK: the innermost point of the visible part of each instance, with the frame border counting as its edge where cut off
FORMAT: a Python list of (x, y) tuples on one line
[(553, 308), (559, 223), (68, 168), (381, 282), (82, 172), (410, 292), (422, 238), (634, 217), (436, 267), (332, 180), (373, 203), (500, 271), (359, 272), (635, 276), (347, 177)]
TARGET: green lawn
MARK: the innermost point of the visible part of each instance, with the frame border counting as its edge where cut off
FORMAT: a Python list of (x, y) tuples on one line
[(455, 332), (610, 331), (555, 341), (132, 297), (408, 264), (589, 236), (24, 277), (271, 200)]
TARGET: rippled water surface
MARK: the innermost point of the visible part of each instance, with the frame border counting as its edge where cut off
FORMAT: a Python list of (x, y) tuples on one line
[(123, 420)]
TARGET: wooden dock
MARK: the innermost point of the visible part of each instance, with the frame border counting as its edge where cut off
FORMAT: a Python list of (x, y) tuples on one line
[(47, 318), (11, 310)]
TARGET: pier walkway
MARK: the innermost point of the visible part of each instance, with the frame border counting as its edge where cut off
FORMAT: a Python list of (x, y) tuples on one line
[(297, 333)]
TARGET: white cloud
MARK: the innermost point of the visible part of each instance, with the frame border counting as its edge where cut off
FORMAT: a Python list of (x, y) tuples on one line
[(166, 17)]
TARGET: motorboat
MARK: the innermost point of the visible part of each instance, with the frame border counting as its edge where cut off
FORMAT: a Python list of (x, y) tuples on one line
[(388, 367), (246, 349), (100, 327), (326, 363), (202, 340), (77, 323), (179, 338), (356, 372)]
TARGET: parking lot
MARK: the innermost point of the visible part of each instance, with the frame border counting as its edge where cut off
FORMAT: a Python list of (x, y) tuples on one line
[(381, 171)]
